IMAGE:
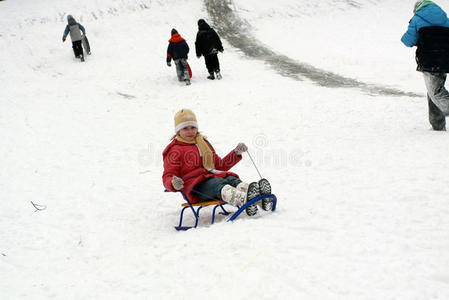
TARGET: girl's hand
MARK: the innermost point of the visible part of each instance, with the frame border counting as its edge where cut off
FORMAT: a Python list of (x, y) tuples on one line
[(177, 183), (241, 147)]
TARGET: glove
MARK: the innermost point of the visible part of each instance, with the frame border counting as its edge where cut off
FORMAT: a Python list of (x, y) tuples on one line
[(177, 183), (221, 50), (63, 39), (168, 63), (241, 147), (198, 56)]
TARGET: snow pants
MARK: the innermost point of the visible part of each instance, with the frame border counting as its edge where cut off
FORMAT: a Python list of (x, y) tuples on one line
[(212, 63), (182, 70), (211, 188), (77, 48), (438, 99)]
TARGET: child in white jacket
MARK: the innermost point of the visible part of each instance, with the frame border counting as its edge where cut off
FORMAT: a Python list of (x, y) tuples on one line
[(75, 30)]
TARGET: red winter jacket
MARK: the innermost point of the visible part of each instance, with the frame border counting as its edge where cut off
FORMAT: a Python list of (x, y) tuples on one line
[(184, 160)]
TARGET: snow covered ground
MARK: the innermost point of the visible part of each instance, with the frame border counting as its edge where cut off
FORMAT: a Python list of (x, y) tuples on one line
[(358, 38), (361, 180)]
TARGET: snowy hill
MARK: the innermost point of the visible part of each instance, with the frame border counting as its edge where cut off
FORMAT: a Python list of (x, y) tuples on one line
[(360, 178)]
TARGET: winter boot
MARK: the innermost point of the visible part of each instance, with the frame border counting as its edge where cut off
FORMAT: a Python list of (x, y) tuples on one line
[(211, 76), (242, 186), (265, 188), (82, 57), (233, 196), (218, 74), (187, 81), (253, 192)]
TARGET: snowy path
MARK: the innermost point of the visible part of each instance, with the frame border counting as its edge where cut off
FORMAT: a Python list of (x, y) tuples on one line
[(237, 33)]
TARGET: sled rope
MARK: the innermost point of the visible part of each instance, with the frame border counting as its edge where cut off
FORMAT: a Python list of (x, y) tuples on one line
[(254, 164)]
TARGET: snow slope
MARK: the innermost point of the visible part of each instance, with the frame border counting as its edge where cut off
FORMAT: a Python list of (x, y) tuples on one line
[(358, 39), (361, 180)]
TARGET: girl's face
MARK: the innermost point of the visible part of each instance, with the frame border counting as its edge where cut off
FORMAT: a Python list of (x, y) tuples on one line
[(188, 133)]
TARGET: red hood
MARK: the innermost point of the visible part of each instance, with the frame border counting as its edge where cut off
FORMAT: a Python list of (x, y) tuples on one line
[(176, 38)]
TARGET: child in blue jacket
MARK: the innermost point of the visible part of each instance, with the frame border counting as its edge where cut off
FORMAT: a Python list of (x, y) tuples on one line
[(429, 31)]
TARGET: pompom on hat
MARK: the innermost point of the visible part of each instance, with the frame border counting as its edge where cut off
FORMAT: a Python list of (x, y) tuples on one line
[(183, 118), (421, 4)]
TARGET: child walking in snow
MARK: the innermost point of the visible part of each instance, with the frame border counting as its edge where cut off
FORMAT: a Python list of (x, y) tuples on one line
[(191, 165), (75, 30), (208, 44), (178, 51), (428, 30)]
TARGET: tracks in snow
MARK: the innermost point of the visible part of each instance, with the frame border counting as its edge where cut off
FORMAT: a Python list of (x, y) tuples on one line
[(237, 32)]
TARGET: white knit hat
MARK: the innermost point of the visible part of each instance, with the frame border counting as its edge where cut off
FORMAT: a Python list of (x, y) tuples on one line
[(183, 118)]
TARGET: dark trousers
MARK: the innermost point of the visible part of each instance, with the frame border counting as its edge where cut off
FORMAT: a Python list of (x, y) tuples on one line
[(77, 48), (212, 63), (211, 188)]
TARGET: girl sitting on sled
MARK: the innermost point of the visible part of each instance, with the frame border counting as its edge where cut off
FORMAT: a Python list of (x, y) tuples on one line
[(191, 165)]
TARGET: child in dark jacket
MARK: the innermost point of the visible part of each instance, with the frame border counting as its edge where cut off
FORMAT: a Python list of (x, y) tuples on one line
[(75, 30), (208, 44), (178, 51), (191, 165)]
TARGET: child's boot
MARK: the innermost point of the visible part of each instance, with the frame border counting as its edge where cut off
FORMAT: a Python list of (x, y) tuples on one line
[(253, 192), (265, 188), (242, 186), (233, 196)]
